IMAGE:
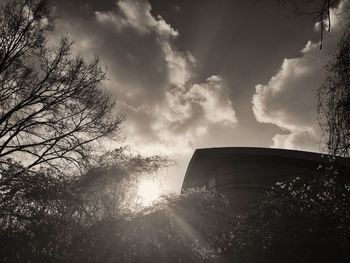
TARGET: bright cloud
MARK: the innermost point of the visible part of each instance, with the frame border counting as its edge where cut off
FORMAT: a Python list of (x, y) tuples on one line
[(185, 115), (137, 15), (153, 81), (288, 100)]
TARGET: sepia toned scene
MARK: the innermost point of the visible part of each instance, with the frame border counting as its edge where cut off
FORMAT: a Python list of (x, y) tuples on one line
[(174, 131)]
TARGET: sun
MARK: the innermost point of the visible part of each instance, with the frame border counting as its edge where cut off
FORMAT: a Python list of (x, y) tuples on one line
[(148, 191)]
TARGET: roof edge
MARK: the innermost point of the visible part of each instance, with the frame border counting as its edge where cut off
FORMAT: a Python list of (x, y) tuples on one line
[(288, 153)]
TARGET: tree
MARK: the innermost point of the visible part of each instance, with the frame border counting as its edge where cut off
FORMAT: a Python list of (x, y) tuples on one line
[(53, 109), (38, 216), (192, 227), (334, 101), (48, 218), (302, 220), (319, 9), (54, 116), (108, 189)]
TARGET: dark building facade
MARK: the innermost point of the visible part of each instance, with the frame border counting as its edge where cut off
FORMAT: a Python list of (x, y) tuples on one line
[(245, 173)]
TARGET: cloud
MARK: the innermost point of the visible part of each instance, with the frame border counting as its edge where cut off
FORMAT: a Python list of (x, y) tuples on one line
[(288, 100), (299, 140), (184, 117), (152, 80), (137, 15), (129, 41)]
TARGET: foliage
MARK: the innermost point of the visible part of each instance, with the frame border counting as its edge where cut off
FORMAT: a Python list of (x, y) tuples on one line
[(29, 204), (185, 228), (107, 188), (45, 215), (55, 116), (304, 220), (334, 101), (57, 178)]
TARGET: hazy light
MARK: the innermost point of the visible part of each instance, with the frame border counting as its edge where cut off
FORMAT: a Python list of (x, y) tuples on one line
[(148, 191)]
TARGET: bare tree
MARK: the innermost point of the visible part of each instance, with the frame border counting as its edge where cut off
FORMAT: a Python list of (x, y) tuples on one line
[(334, 101), (53, 109), (320, 10)]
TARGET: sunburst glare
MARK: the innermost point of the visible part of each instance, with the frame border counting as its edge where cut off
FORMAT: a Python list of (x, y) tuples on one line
[(148, 191)]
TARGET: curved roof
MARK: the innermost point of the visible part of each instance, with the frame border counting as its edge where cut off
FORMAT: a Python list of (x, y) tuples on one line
[(205, 159)]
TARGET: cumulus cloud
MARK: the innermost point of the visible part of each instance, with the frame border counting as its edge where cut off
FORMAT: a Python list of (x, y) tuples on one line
[(183, 117), (153, 81), (288, 100), (298, 139), (137, 15)]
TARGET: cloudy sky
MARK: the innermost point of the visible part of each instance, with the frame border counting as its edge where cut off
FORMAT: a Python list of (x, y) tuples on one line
[(202, 73)]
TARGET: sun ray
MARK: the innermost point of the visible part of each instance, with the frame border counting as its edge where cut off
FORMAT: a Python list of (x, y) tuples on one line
[(148, 191)]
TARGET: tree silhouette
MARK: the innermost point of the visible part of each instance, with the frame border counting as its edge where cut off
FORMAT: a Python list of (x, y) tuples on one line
[(54, 116), (334, 101), (53, 109), (320, 10)]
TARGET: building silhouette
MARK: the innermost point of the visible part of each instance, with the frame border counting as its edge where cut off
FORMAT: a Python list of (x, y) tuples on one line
[(243, 174)]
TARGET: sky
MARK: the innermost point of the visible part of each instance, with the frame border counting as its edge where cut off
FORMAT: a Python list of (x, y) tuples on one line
[(202, 73)]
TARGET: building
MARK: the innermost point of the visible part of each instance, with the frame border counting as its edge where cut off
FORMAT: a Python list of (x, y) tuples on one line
[(245, 173)]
